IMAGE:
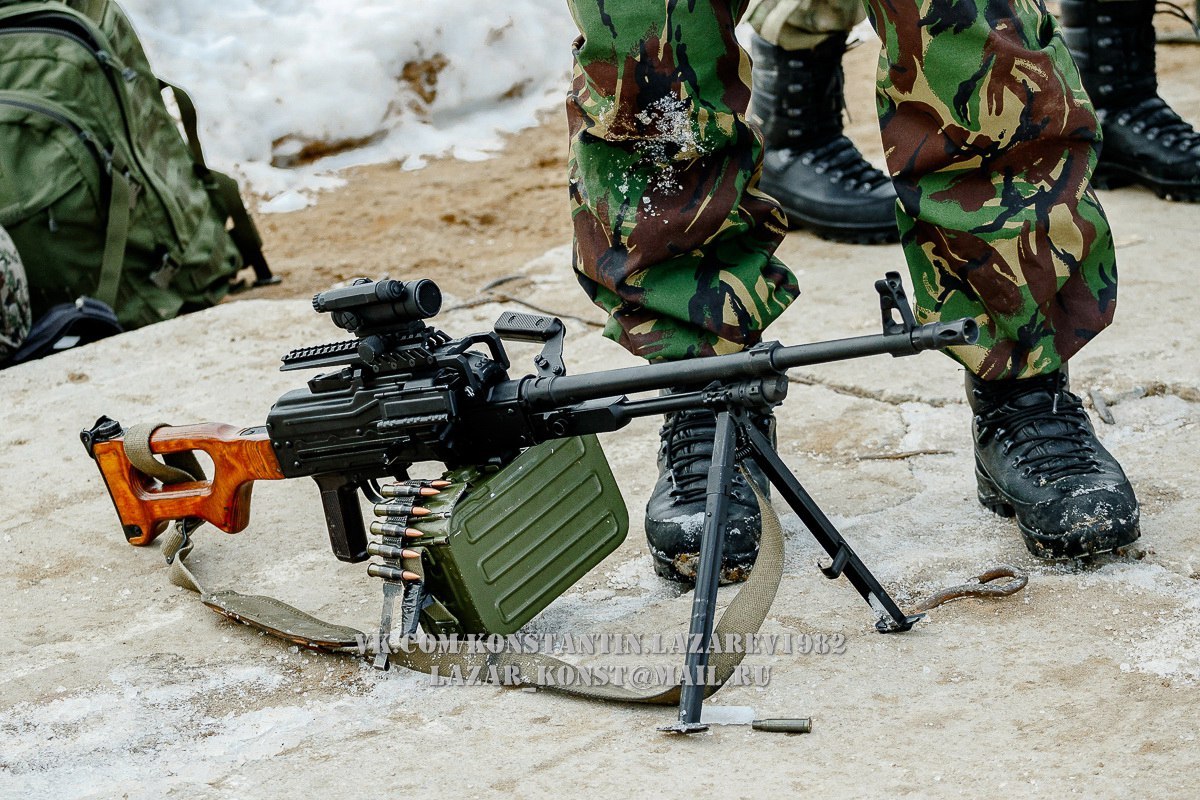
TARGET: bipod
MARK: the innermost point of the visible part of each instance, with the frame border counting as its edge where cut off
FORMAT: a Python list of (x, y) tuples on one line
[(736, 439)]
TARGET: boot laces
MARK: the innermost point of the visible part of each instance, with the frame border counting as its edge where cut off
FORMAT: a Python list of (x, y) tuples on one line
[(1050, 438), (687, 441), (1160, 121), (687, 444), (842, 158)]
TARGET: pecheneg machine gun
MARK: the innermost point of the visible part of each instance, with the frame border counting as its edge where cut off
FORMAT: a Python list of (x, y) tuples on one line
[(527, 504)]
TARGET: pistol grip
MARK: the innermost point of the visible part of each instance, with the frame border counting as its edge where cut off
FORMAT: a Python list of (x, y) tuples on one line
[(343, 518)]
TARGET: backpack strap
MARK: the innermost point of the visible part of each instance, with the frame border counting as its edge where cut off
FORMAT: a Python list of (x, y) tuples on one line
[(225, 195), (223, 191), (187, 115), (117, 235)]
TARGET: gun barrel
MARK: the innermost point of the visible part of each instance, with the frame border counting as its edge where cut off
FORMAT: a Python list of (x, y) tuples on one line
[(772, 359), (934, 336)]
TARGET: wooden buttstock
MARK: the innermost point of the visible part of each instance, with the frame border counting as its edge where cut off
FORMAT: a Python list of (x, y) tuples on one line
[(146, 506)]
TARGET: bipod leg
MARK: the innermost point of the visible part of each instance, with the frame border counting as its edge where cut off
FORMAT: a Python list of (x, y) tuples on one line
[(704, 600), (845, 561)]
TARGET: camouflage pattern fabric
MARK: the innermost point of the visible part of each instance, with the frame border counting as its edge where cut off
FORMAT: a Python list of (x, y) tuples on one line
[(991, 142), (672, 236), (802, 24), (15, 315), (989, 137)]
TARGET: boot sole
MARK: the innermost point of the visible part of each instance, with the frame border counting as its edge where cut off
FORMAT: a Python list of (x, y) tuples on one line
[(1115, 176), (682, 569), (844, 235), (1058, 548), (832, 231)]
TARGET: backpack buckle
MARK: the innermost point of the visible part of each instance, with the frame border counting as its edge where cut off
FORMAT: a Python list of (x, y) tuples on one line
[(166, 273)]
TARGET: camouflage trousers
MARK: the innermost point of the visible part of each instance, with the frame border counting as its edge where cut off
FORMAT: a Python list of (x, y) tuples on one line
[(990, 141), (15, 313), (802, 24)]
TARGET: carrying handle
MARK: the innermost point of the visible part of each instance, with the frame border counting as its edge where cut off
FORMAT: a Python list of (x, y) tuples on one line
[(514, 326)]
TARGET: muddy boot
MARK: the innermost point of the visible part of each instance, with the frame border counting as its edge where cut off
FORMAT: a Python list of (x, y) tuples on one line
[(1145, 141), (675, 512), (817, 174), (1037, 457)]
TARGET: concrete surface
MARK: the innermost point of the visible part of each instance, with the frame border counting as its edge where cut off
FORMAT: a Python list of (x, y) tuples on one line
[(115, 684)]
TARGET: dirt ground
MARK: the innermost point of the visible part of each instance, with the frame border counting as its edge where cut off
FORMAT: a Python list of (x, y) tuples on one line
[(113, 683), (467, 223)]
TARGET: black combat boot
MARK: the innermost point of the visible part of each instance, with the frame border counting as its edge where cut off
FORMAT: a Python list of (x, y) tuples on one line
[(817, 174), (675, 512), (1037, 457), (1145, 141)]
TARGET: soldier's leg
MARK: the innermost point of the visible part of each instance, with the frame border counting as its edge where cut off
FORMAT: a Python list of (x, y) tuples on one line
[(1145, 141), (816, 173), (15, 312), (672, 235), (991, 142)]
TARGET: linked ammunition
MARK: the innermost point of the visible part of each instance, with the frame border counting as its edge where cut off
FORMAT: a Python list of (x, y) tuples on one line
[(391, 573), (408, 490), (394, 529), (401, 508), (389, 551)]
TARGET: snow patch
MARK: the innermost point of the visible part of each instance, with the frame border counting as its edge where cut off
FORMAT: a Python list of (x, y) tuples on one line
[(289, 91), (286, 203), (690, 524)]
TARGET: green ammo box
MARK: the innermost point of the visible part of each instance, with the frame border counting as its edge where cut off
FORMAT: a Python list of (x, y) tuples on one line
[(502, 544)]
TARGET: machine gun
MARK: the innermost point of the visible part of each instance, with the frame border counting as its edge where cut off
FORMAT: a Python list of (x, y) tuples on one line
[(402, 393)]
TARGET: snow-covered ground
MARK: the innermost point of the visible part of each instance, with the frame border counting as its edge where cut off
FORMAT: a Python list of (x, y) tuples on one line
[(278, 83)]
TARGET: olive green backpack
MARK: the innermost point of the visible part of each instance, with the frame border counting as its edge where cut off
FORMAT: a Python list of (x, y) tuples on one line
[(99, 190)]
